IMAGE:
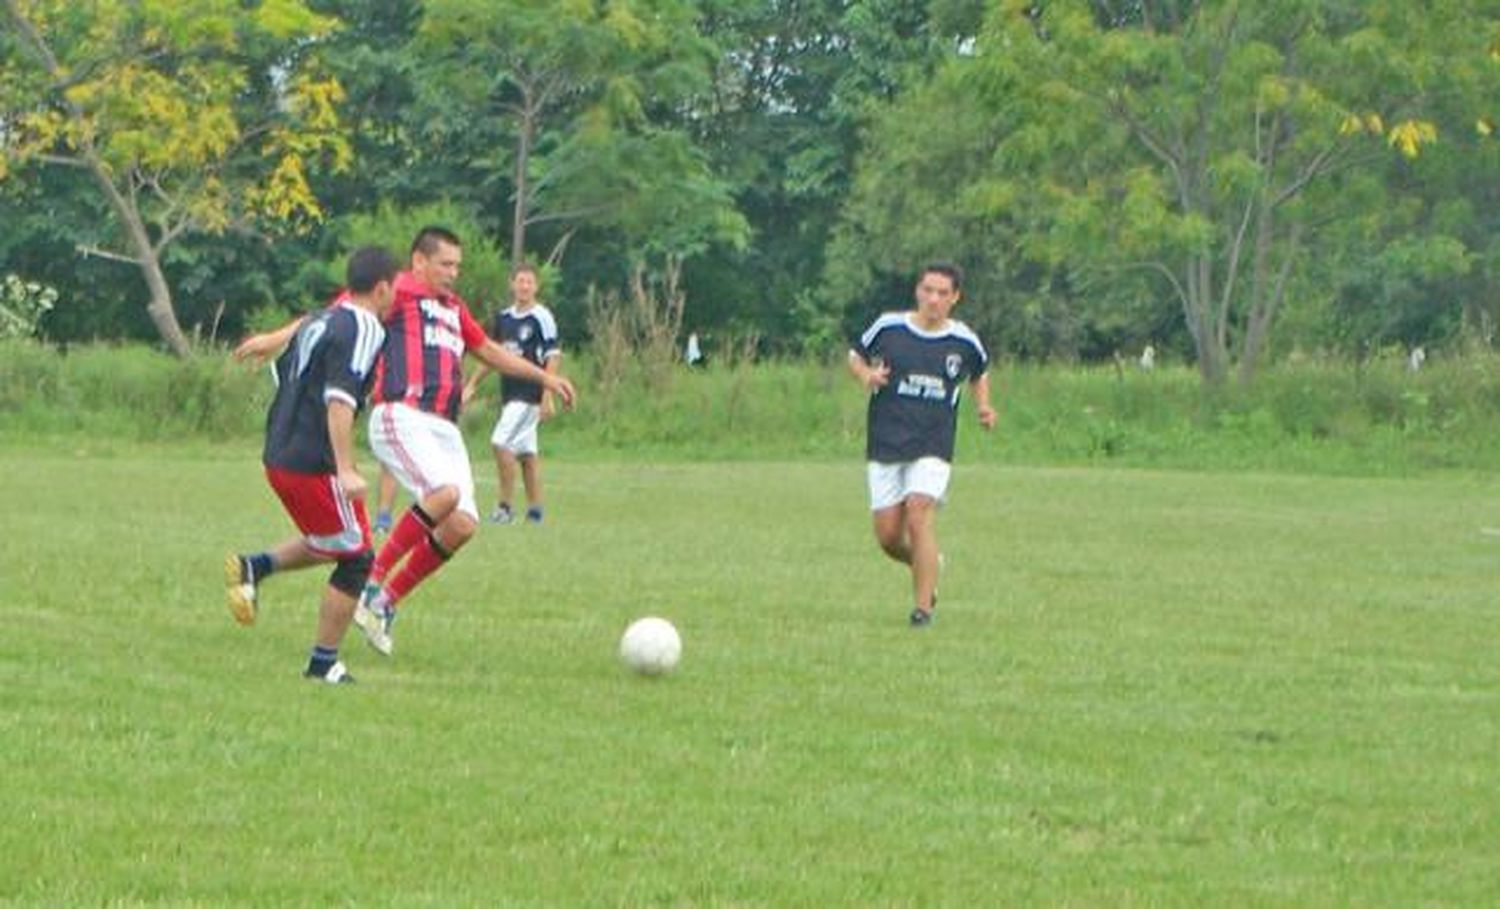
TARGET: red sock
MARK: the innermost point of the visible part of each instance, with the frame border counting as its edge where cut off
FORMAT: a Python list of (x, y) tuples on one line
[(425, 559), (408, 532)]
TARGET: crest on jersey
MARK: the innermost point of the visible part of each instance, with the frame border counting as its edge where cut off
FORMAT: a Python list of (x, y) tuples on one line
[(525, 332), (953, 364)]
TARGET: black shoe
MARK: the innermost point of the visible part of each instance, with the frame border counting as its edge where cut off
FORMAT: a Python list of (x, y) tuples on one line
[(334, 674), (920, 618)]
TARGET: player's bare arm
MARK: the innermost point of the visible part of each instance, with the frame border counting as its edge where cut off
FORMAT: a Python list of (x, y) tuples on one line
[(549, 407), (981, 389), (259, 348), (513, 364), (341, 438), (872, 376)]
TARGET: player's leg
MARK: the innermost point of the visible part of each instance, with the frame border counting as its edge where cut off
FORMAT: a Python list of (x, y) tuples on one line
[(890, 532), (531, 476), (406, 441), (449, 474), (326, 520), (505, 461), (926, 483), (921, 529), (334, 614), (385, 501), (887, 509)]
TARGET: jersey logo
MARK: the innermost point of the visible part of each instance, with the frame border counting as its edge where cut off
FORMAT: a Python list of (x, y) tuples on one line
[(525, 333), (953, 363)]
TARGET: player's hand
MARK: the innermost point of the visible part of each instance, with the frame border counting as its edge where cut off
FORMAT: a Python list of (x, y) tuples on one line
[(352, 484), (549, 409), (256, 349), (988, 417), (467, 396), (560, 386), (877, 376)]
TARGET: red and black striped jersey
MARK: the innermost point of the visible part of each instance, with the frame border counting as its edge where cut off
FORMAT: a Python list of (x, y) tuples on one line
[(426, 334)]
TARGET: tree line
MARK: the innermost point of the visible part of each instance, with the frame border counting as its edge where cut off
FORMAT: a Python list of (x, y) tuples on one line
[(1226, 181)]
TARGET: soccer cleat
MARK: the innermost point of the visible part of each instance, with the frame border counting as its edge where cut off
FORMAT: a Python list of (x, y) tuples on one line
[(533, 516), (502, 515), (382, 525), (239, 588), (374, 624), (335, 674), (920, 618)]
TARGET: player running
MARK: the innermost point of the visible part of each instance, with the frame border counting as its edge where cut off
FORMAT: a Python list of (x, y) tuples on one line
[(322, 380)]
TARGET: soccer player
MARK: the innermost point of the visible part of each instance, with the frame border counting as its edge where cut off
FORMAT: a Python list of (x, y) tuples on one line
[(914, 365), (322, 379), (414, 430), (526, 327)]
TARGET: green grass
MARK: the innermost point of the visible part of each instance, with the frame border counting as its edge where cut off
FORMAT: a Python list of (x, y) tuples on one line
[(1143, 689)]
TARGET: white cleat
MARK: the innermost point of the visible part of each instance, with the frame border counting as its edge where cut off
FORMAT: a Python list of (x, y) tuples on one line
[(373, 625)]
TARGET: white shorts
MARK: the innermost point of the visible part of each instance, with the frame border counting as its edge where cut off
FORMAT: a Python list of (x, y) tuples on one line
[(423, 451), (515, 431), (890, 484)]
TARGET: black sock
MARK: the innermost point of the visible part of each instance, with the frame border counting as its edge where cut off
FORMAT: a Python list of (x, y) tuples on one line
[(322, 659), (260, 566)]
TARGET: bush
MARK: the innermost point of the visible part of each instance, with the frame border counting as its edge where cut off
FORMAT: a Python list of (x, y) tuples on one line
[(1309, 417)]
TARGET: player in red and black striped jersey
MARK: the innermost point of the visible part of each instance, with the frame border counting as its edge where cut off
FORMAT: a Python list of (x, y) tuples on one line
[(322, 380), (413, 431), (914, 365)]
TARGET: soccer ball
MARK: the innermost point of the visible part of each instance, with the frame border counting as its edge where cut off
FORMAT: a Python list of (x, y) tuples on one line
[(651, 646)]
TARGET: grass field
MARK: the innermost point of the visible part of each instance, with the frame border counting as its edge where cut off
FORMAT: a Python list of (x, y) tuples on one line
[(1143, 689)]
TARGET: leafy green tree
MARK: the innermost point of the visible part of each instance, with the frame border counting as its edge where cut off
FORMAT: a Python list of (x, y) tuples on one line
[(1195, 148), (185, 115), (561, 104)]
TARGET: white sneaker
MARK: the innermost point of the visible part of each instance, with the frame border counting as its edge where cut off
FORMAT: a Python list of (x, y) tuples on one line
[(337, 674), (373, 624)]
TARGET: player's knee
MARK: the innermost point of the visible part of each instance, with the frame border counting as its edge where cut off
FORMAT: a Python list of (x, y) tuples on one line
[(350, 574), (457, 530)]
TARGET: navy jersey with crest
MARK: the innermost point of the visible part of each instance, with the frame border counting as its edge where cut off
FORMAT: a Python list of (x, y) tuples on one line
[(916, 414), (533, 335), (331, 358)]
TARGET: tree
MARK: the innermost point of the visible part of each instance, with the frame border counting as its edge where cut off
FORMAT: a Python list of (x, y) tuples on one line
[(562, 105), (186, 115), (1200, 146)]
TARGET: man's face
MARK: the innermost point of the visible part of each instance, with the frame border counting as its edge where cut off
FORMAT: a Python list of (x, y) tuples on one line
[(440, 269), (384, 295), (936, 294), (523, 286)]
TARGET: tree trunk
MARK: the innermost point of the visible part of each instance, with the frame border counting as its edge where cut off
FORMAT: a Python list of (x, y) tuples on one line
[(521, 210), (160, 308)]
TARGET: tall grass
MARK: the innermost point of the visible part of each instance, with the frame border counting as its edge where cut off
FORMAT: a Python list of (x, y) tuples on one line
[(1311, 416)]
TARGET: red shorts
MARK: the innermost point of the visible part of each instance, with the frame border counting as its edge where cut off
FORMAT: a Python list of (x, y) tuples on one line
[(333, 525)]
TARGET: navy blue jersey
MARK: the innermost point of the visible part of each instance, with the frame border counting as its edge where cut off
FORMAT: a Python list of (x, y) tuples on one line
[(331, 358), (533, 335), (916, 414)]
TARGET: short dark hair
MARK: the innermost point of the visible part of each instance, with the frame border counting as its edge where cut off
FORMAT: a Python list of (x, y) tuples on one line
[(368, 266), (428, 238), (524, 265), (953, 270)]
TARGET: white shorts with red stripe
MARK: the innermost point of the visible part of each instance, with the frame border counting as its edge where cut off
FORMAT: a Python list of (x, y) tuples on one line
[(423, 451), (333, 524)]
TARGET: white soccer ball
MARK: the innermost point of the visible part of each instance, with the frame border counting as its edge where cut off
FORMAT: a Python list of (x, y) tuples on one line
[(651, 646)]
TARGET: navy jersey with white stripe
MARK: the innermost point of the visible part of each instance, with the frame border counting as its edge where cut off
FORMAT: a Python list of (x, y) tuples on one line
[(331, 358), (916, 414), (533, 335)]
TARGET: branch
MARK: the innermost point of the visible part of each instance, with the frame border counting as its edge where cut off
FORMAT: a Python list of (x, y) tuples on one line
[(88, 250), (63, 160), (568, 215), (1158, 267)]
